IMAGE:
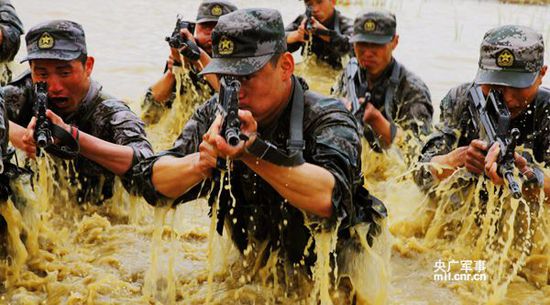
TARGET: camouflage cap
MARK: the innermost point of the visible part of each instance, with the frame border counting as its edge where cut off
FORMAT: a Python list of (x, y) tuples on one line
[(56, 39), (243, 41), (211, 10), (374, 27), (510, 55)]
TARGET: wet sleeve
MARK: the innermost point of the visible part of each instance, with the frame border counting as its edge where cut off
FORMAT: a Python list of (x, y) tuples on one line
[(12, 29), (125, 129), (340, 41), (187, 143), (545, 134), (4, 127), (337, 148), (152, 110), (293, 47), (19, 107), (442, 140), (417, 111)]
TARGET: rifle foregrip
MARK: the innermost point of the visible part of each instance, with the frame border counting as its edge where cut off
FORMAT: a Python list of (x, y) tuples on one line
[(513, 185)]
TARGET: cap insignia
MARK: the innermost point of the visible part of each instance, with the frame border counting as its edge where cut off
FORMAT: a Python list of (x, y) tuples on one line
[(46, 41), (505, 58), (369, 25), (225, 46), (216, 10)]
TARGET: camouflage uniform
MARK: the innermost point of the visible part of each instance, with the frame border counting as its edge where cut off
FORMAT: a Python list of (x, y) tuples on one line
[(12, 29), (411, 106), (151, 109), (510, 56), (99, 114), (340, 29), (331, 140)]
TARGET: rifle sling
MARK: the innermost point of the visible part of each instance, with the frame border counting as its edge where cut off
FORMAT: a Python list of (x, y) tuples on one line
[(295, 145), (67, 148), (390, 94)]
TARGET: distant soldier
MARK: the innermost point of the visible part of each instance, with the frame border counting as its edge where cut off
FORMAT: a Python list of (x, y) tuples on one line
[(328, 29), (388, 99), (161, 95)]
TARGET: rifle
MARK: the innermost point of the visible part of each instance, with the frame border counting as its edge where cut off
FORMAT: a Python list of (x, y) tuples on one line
[(309, 21), (229, 100), (66, 147), (491, 118), (351, 73), (42, 131), (309, 29), (187, 47)]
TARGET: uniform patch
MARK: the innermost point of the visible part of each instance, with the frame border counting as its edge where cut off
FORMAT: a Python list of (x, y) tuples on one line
[(505, 58), (225, 46), (46, 41)]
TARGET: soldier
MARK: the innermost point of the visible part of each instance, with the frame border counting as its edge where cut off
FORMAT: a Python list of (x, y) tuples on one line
[(330, 30), (161, 95), (111, 137), (397, 99), (300, 162), (11, 30), (511, 61)]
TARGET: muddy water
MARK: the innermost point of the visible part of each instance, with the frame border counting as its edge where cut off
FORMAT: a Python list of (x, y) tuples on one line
[(126, 252)]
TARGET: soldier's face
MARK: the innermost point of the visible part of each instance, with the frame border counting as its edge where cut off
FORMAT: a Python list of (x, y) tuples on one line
[(375, 57), (68, 81), (322, 9), (203, 35), (517, 99), (266, 92)]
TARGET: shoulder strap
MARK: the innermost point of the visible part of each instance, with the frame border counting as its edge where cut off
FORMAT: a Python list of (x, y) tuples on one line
[(392, 88), (295, 145), (296, 142)]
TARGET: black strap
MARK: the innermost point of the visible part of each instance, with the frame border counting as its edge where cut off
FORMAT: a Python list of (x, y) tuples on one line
[(392, 89), (67, 147), (390, 94), (267, 151), (295, 145)]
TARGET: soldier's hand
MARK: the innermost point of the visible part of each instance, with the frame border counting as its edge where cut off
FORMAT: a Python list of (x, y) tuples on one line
[(491, 165), (298, 35), (187, 35), (346, 103), (317, 25), (57, 120), (174, 59), (29, 146), (207, 152), (249, 126), (222, 148), (475, 157), (371, 114)]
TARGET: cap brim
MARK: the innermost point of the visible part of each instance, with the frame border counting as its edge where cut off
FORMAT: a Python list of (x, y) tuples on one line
[(371, 38), (45, 54), (236, 66), (207, 19), (506, 78)]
